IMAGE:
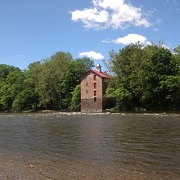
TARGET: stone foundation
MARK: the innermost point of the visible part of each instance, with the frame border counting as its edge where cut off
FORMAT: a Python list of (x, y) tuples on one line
[(89, 105)]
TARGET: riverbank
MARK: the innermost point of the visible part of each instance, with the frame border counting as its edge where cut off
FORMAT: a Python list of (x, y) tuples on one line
[(89, 113), (25, 166)]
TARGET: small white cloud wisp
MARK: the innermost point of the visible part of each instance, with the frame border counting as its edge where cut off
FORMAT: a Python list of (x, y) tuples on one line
[(131, 38), (92, 54)]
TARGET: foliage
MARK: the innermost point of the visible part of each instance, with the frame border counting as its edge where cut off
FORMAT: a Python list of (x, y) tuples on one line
[(149, 76), (76, 98), (177, 50), (76, 69), (121, 96), (16, 93), (47, 84), (141, 78)]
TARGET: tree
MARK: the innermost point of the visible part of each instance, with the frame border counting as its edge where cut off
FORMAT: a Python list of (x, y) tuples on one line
[(76, 98), (75, 71), (5, 70), (130, 68), (26, 99), (5, 98), (121, 96), (149, 76), (163, 65), (83, 65), (55, 78), (169, 88), (177, 49), (50, 78), (16, 93), (13, 84)]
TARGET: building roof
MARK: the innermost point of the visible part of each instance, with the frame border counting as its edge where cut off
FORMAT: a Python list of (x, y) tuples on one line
[(101, 74)]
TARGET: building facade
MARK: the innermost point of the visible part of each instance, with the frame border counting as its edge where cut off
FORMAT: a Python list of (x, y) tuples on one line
[(93, 87)]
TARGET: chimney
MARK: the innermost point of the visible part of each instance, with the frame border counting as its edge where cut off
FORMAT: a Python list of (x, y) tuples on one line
[(98, 67)]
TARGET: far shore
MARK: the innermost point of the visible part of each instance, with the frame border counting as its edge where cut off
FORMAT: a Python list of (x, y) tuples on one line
[(91, 113)]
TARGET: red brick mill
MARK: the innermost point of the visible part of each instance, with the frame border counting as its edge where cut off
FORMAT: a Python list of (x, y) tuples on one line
[(93, 87)]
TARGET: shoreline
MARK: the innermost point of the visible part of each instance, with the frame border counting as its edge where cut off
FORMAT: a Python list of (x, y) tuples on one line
[(20, 165), (94, 113)]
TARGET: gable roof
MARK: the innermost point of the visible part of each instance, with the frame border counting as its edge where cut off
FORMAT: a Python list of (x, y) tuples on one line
[(101, 74)]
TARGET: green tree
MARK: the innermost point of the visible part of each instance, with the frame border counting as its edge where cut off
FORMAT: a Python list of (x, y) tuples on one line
[(177, 49), (12, 86), (5, 93), (49, 79), (150, 76), (5, 70), (121, 97), (26, 98), (163, 65), (55, 78), (76, 99), (75, 71), (130, 68), (48, 76), (169, 88)]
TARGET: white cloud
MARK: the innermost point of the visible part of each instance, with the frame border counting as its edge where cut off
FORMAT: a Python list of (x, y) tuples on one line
[(106, 41), (110, 13), (164, 45), (92, 54), (88, 16), (167, 2), (131, 38), (158, 21)]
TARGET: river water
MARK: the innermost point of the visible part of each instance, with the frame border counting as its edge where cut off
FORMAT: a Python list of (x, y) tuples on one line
[(90, 146)]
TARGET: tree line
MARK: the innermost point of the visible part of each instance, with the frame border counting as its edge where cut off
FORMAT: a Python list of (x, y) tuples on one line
[(52, 83), (141, 78), (144, 78)]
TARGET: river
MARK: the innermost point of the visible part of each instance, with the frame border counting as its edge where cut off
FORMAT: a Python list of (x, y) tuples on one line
[(90, 146)]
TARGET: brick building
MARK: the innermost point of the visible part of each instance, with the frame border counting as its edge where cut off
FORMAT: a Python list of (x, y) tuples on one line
[(93, 87)]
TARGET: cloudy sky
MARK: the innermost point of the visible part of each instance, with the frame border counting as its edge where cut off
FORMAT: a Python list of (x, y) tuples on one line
[(31, 30)]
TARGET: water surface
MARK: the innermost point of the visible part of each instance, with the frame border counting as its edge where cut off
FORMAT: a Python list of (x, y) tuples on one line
[(95, 146)]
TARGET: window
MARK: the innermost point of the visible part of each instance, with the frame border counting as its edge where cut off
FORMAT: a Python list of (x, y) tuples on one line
[(87, 84), (94, 85), (86, 91), (94, 77), (94, 99), (94, 93)]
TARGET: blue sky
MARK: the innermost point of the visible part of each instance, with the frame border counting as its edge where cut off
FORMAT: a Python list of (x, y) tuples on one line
[(32, 30)]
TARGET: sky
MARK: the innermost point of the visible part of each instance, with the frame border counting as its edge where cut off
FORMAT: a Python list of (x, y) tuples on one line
[(33, 30)]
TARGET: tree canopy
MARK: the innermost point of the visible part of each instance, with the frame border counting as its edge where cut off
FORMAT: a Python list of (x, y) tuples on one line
[(144, 78), (46, 84)]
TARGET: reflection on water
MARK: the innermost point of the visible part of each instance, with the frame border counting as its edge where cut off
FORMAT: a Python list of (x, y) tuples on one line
[(147, 141)]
